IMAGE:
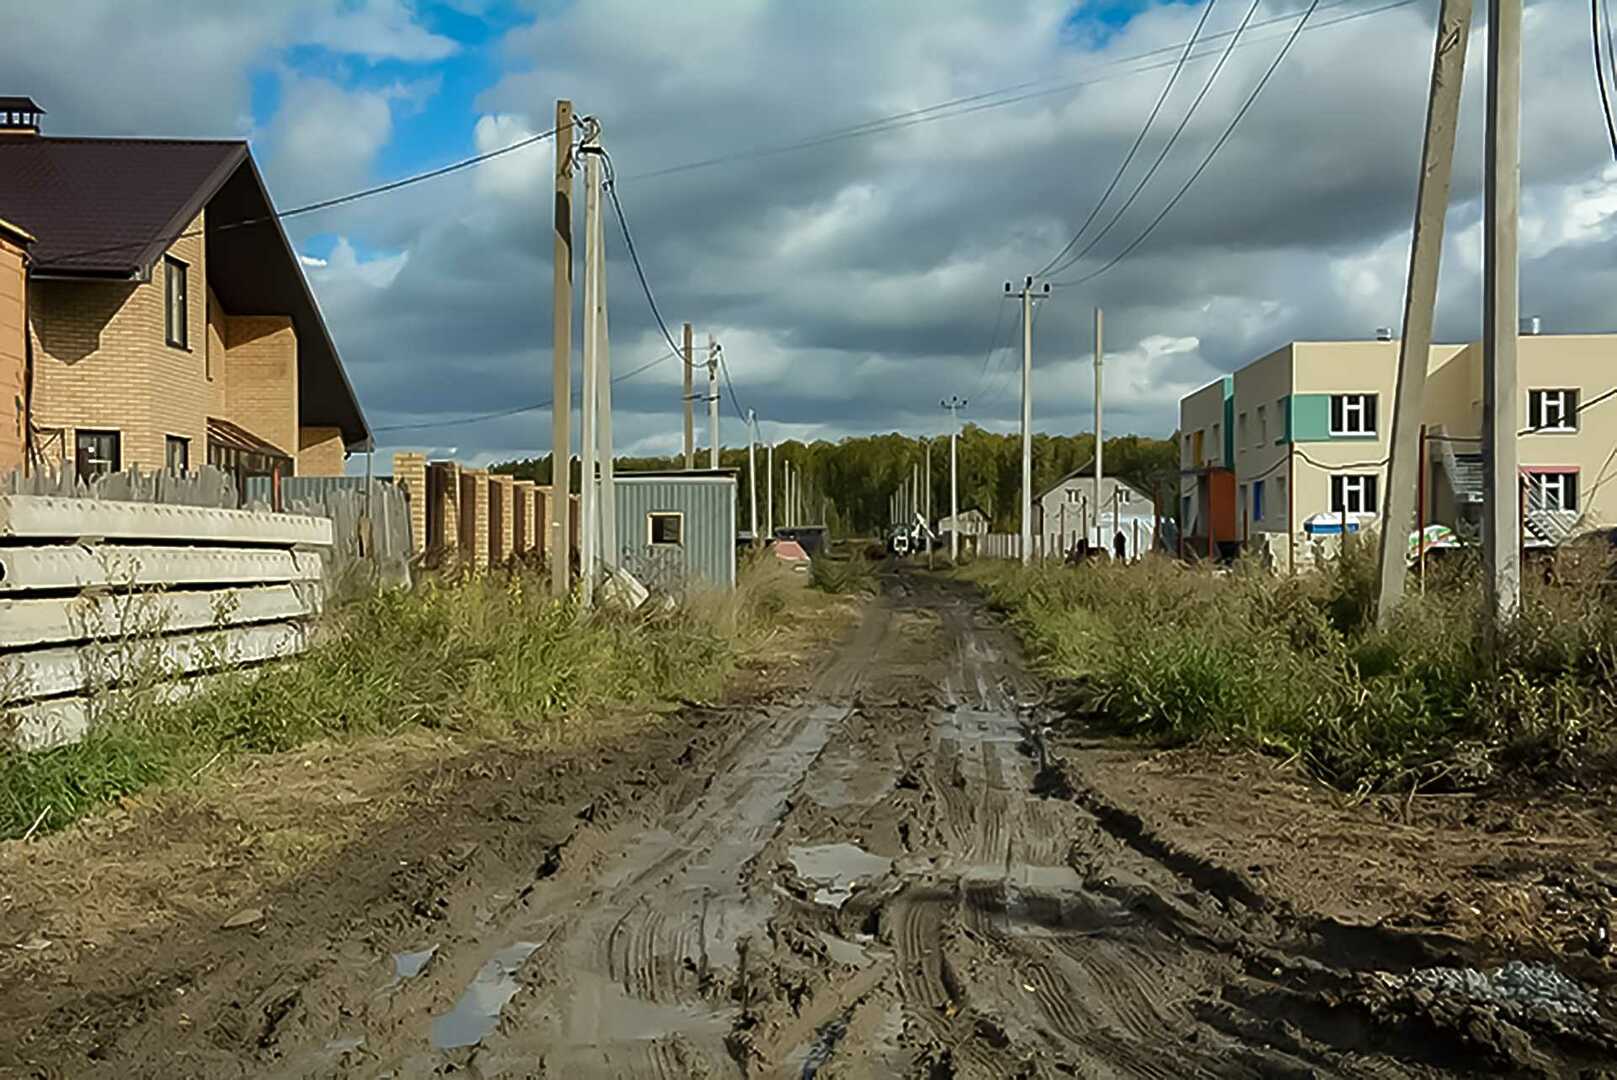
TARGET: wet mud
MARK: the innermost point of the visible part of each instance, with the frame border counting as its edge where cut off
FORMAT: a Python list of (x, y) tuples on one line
[(892, 874)]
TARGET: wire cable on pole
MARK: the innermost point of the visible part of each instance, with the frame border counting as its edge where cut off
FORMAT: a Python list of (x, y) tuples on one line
[(1601, 61), (611, 186), (325, 204), (1208, 160), (1162, 154), (502, 413), (1128, 159)]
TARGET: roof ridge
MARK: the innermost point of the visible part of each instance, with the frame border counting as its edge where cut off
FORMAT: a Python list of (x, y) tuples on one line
[(34, 140)]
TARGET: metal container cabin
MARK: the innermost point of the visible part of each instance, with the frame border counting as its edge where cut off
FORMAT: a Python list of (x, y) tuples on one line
[(678, 528)]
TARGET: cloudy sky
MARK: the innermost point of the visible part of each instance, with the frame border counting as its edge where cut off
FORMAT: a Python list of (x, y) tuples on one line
[(856, 280)]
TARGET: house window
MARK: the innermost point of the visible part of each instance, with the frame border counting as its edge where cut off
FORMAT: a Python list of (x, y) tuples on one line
[(1257, 500), (1280, 489), (1122, 495), (96, 453), (177, 454), (1552, 410), (175, 321), (1216, 442), (1353, 493), (665, 528), (1353, 414), (1072, 495), (1240, 431), (1552, 491), (1263, 425)]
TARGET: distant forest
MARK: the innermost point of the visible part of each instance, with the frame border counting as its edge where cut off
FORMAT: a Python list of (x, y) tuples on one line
[(850, 480)]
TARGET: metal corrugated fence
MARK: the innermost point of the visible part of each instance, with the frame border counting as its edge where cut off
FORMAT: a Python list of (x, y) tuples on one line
[(708, 503)]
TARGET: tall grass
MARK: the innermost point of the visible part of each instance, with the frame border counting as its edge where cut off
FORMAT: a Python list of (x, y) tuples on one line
[(1295, 666), (855, 575), (488, 654)]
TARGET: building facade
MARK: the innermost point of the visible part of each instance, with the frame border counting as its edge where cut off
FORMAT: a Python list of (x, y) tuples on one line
[(14, 243), (677, 528), (1064, 514), (1312, 425), (168, 320)]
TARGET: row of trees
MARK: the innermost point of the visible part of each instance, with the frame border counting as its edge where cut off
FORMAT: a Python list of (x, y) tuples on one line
[(847, 483)]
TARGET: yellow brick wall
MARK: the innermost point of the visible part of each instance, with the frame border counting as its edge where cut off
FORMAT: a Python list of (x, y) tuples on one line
[(213, 363), (13, 412), (410, 473), (320, 451), (101, 360), (261, 378), (474, 492), (503, 489), (522, 539)]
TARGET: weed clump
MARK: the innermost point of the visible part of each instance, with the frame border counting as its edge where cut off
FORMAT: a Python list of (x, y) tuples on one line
[(492, 655), (842, 577), (1296, 666)]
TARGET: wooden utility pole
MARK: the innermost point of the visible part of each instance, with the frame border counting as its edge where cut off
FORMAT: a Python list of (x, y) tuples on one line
[(928, 503), (1501, 515), (1406, 463), (752, 470), (690, 402), (954, 405), (1026, 295), (1099, 442), (561, 352), (769, 495)]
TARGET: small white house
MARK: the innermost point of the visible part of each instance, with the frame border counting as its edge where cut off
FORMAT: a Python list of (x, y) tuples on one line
[(973, 522), (1064, 514)]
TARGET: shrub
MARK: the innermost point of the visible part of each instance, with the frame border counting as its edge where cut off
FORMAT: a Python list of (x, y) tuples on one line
[(842, 576), (1296, 666)]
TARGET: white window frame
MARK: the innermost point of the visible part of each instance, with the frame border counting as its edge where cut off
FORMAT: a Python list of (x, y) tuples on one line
[(1354, 493), (1553, 491), (176, 303), (1258, 491), (1565, 401), (1263, 425), (1358, 414), (651, 528)]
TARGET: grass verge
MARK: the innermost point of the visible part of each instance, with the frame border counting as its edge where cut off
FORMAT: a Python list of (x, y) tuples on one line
[(1295, 666), (489, 655)]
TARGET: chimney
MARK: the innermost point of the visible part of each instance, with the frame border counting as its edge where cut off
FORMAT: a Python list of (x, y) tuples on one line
[(19, 116), (1530, 325), (1383, 333)]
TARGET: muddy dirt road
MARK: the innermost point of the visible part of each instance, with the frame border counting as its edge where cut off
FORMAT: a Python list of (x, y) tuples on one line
[(874, 878)]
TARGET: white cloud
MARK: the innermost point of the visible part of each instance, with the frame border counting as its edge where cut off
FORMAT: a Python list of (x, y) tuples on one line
[(312, 260), (379, 30)]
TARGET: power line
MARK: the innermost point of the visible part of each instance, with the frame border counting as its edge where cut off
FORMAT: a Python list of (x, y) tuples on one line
[(724, 369), (611, 187), (502, 413), (1162, 154), (1208, 160), (1595, 7), (973, 103), (1128, 158), (326, 204)]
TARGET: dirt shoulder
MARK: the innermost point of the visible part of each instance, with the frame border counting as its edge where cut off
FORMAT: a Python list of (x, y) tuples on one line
[(1508, 875), (193, 914)]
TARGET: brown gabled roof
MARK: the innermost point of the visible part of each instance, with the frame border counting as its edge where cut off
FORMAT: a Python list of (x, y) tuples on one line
[(108, 207), (224, 433)]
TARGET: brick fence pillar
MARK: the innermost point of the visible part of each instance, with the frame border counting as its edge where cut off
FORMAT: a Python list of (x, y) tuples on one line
[(474, 490), (541, 520), (522, 541), (410, 473), (449, 536), (503, 488)]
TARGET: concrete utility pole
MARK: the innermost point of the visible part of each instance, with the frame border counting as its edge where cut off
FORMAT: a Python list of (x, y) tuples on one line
[(607, 545), (690, 402), (786, 478), (561, 351), (954, 405), (713, 402), (752, 469), (927, 444), (1501, 517), (1100, 443), (1406, 463), (589, 520), (1027, 297), (769, 496)]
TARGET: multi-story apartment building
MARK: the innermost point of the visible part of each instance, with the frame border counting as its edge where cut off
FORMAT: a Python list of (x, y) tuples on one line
[(1312, 423), (168, 319)]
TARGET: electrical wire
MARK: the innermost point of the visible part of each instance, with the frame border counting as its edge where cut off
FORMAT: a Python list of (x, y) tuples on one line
[(502, 413), (724, 369), (325, 204), (1600, 73), (1162, 154), (973, 103), (1208, 160), (611, 187), (1128, 159)]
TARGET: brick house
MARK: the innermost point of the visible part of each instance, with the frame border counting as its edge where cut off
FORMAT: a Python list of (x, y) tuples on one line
[(14, 244), (168, 319)]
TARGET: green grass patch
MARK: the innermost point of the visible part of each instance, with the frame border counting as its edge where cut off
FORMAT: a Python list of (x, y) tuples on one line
[(487, 654), (1295, 666)]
